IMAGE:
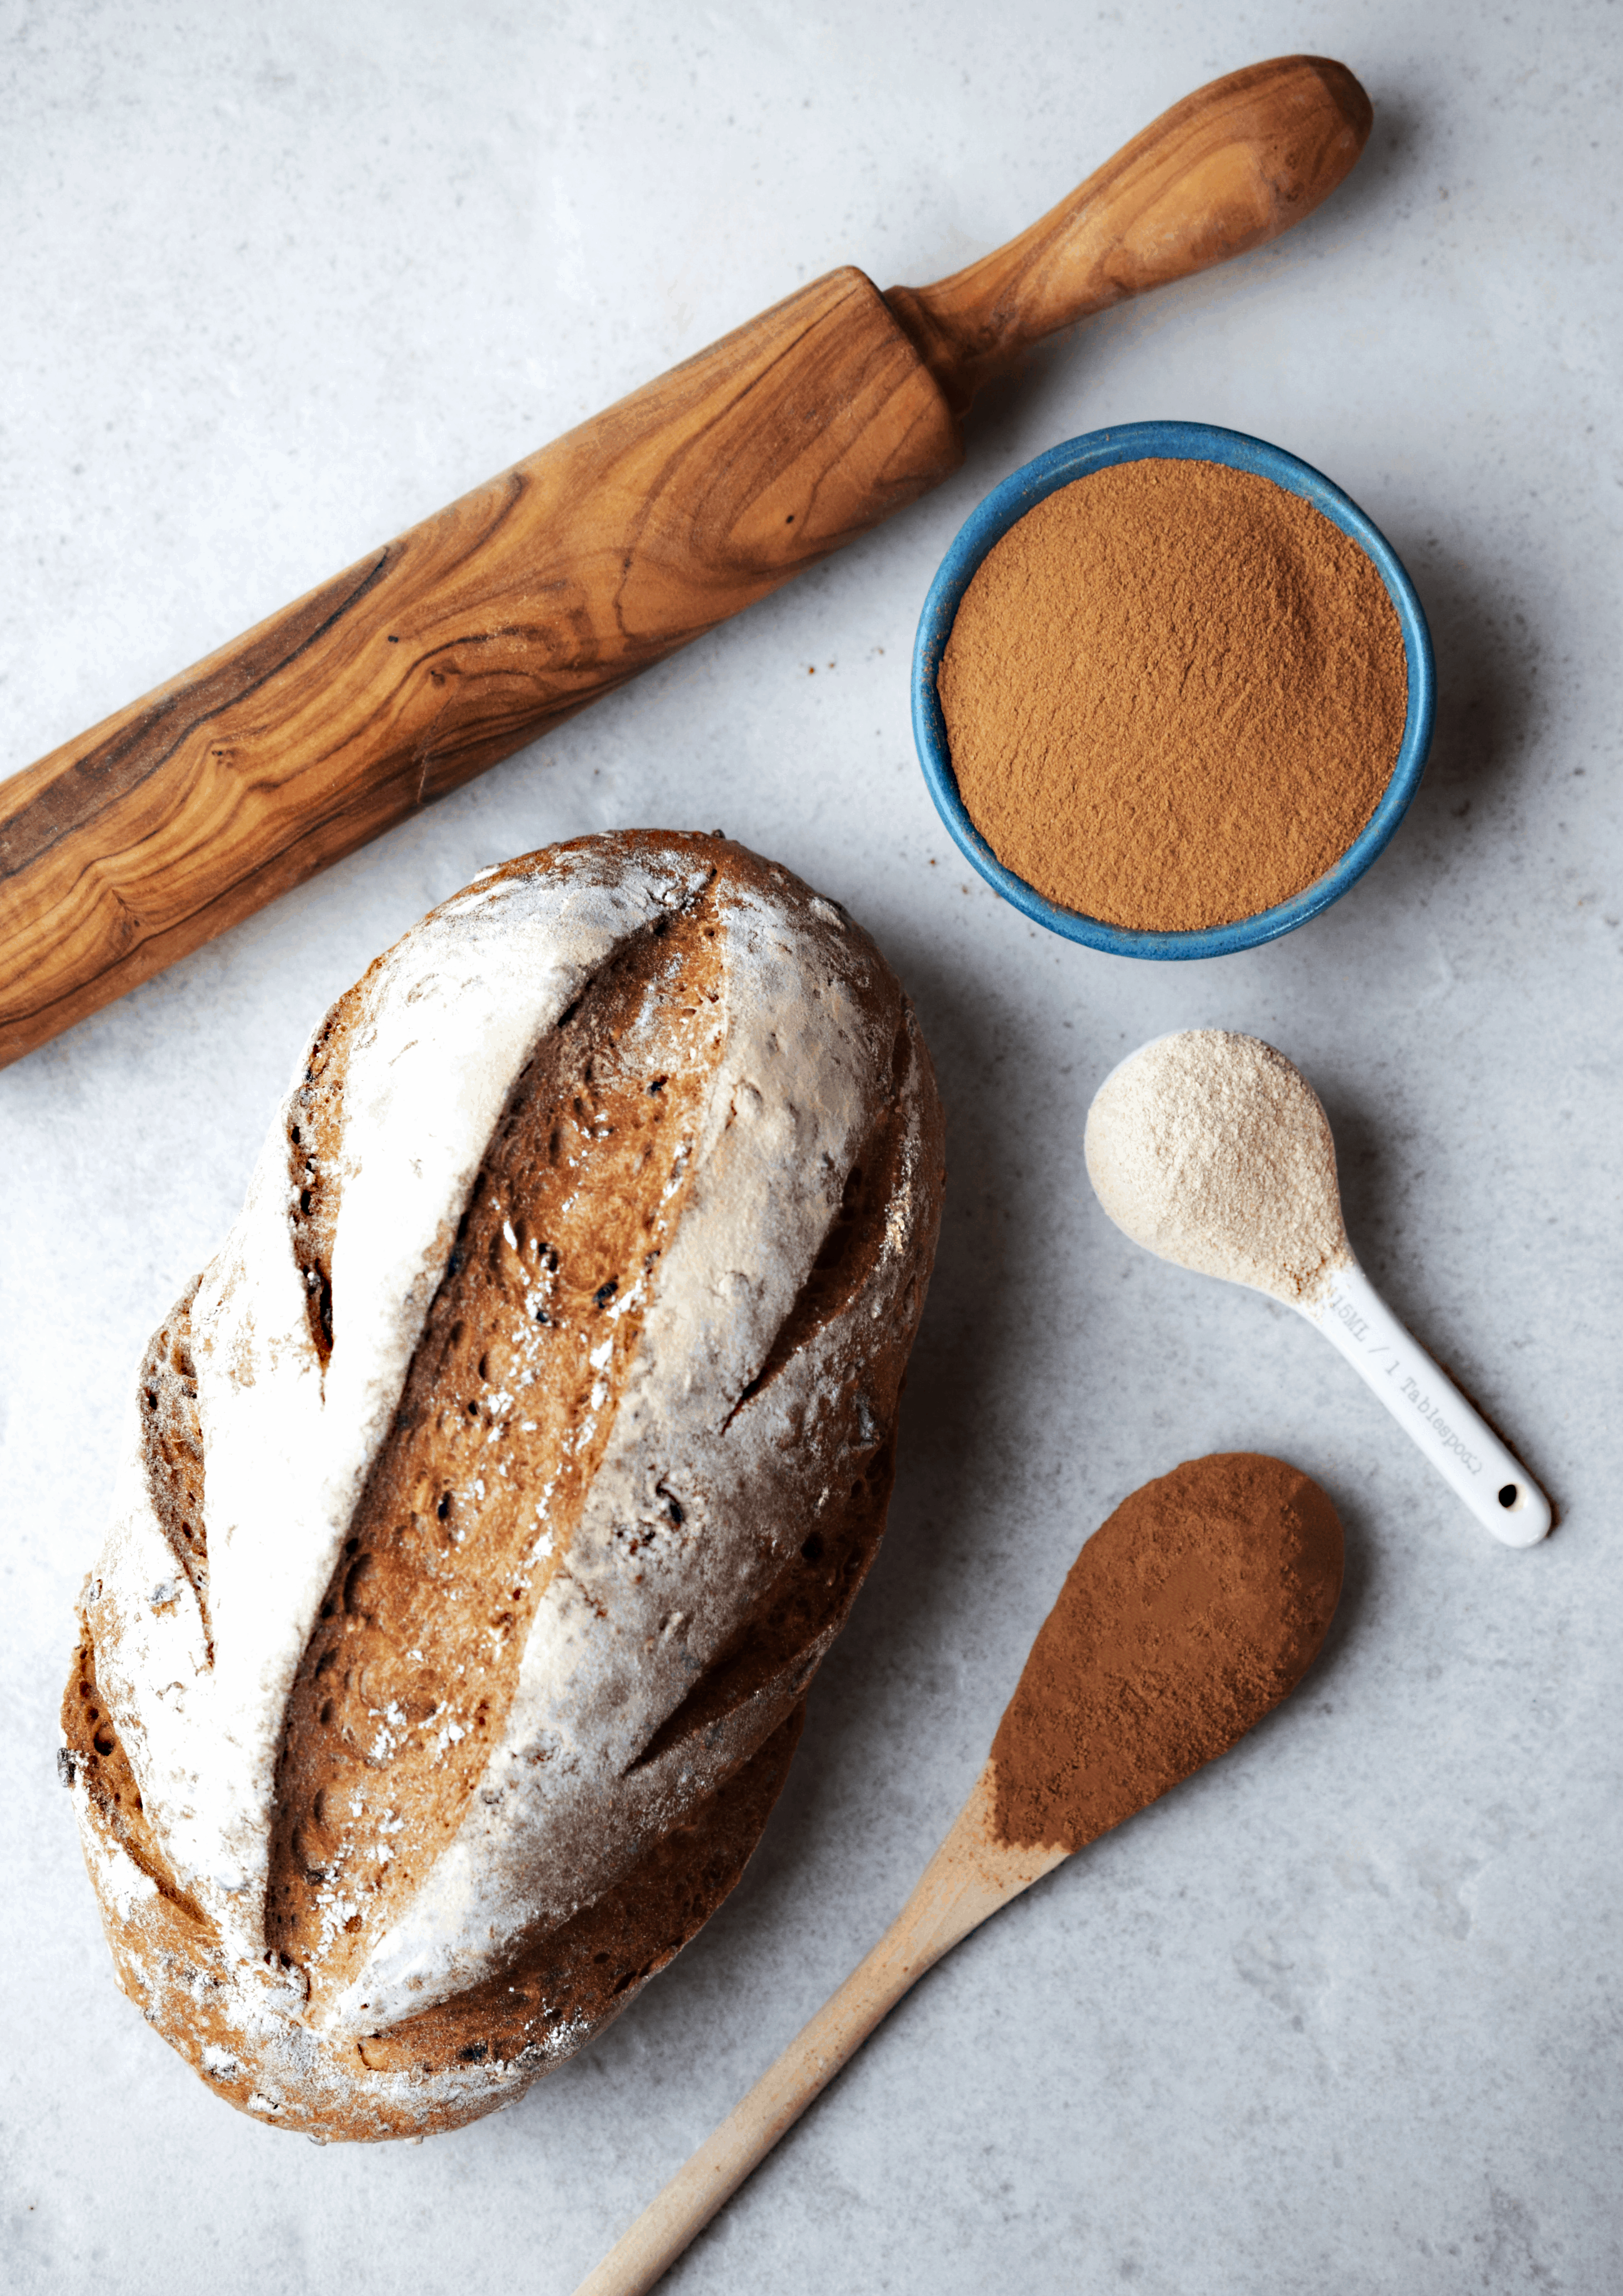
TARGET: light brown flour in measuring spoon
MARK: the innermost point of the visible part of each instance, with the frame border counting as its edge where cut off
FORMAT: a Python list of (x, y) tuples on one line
[(1212, 1151)]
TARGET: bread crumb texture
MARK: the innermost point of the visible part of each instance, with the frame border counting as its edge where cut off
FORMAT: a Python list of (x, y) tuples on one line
[(492, 1496)]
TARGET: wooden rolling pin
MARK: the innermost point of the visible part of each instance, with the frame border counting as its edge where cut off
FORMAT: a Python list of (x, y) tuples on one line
[(490, 622)]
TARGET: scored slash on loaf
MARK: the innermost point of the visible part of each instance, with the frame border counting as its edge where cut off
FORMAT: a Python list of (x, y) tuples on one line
[(496, 1490)]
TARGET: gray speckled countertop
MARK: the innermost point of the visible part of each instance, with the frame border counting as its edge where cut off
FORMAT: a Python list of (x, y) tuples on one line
[(1345, 2012)]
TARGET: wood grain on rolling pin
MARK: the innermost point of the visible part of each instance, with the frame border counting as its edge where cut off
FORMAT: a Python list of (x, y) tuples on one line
[(449, 648), (490, 622)]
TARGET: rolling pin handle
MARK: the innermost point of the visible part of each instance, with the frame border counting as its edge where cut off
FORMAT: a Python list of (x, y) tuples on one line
[(1228, 169)]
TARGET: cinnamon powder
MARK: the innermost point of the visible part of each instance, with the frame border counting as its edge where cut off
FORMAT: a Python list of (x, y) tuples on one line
[(1185, 1618), (1174, 694)]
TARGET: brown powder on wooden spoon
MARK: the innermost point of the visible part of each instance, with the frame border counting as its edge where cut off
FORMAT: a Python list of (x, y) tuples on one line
[(1185, 1618), (1197, 1607)]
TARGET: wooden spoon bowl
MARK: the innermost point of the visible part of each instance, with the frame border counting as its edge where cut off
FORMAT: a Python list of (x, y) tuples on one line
[(1185, 1618)]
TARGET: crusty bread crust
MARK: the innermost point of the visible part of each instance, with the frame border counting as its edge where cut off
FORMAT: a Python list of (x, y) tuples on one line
[(239, 2026), (522, 1730)]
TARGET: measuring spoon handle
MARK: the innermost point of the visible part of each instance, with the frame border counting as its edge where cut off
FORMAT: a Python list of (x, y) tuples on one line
[(1425, 1402)]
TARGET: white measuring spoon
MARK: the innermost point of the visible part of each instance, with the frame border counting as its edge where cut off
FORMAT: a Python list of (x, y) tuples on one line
[(1212, 1151)]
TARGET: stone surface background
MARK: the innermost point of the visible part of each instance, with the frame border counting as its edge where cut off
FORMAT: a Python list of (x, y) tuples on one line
[(1344, 2013)]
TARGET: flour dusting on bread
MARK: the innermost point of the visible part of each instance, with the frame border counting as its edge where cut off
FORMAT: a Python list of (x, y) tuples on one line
[(492, 1495)]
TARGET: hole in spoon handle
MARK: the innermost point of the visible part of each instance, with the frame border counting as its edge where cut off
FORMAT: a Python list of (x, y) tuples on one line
[(1428, 1406)]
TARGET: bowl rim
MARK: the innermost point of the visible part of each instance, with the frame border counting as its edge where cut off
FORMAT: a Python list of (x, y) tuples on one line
[(1004, 507)]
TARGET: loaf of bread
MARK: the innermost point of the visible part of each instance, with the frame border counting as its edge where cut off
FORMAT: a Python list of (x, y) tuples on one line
[(493, 1495)]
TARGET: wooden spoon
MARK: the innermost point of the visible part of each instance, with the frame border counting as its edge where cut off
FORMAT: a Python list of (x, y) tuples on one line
[(1185, 1618), (498, 618)]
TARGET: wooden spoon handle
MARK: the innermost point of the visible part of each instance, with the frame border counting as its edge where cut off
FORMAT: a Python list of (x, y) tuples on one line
[(971, 1876), (1231, 166)]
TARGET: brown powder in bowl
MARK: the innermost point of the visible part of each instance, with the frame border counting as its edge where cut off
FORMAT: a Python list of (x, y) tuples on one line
[(1174, 694)]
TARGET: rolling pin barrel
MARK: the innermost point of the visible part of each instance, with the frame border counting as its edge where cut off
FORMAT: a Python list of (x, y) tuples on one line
[(490, 622)]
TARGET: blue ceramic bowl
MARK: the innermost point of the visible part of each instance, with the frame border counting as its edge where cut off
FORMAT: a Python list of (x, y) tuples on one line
[(1135, 442)]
